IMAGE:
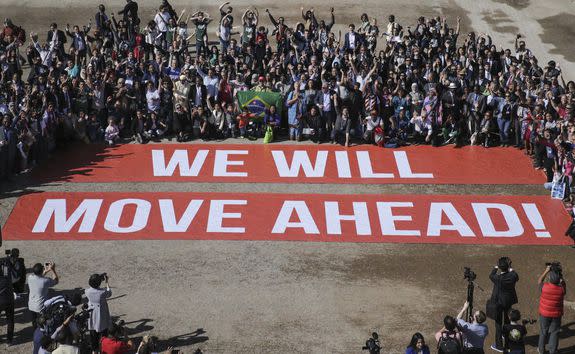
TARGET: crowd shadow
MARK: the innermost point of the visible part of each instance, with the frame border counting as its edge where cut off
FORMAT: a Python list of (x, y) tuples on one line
[(567, 331), (63, 166)]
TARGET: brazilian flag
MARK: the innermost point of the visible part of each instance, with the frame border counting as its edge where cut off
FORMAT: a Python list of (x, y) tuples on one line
[(257, 102)]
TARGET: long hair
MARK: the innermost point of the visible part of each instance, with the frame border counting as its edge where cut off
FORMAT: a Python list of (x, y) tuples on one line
[(416, 337)]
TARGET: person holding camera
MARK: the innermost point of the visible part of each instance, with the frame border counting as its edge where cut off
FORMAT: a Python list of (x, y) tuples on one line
[(14, 267), (503, 297), (39, 284), (7, 303), (100, 320), (64, 336), (551, 306), (474, 333), (116, 341)]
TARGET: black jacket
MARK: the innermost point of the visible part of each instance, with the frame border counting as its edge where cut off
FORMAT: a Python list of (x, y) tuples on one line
[(504, 293), (59, 35), (6, 292)]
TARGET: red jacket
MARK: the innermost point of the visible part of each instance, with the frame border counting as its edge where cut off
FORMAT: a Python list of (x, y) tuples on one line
[(551, 301)]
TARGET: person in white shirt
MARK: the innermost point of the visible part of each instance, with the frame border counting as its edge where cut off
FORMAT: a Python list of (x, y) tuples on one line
[(211, 81), (112, 133)]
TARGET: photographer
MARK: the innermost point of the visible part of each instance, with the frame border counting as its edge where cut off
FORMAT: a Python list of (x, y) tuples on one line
[(502, 298), (100, 319), (551, 306), (14, 267), (116, 342), (7, 303), (39, 284), (474, 333), (64, 336)]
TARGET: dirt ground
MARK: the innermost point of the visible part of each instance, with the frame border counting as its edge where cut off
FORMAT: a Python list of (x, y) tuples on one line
[(296, 297)]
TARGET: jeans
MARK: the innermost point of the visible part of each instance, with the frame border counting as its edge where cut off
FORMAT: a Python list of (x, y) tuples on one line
[(504, 126), (294, 132), (551, 326)]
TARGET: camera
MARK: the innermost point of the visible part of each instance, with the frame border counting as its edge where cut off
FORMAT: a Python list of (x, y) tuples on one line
[(468, 274), (372, 344), (556, 268), (7, 252)]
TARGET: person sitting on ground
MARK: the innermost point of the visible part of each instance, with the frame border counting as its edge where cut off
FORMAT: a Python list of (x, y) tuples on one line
[(417, 345), (243, 120), (112, 133)]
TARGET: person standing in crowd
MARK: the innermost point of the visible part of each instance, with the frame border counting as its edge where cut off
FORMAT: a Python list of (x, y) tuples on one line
[(550, 308), (39, 284), (417, 345), (474, 333), (503, 297), (56, 40), (100, 320)]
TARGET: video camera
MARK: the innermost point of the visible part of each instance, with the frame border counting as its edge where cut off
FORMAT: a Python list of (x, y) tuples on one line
[(58, 309), (372, 344), (556, 268), (468, 274)]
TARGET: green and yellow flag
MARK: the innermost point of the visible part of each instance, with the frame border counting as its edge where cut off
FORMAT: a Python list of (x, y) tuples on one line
[(257, 102)]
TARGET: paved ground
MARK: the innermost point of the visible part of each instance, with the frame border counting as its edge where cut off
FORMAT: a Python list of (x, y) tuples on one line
[(302, 297)]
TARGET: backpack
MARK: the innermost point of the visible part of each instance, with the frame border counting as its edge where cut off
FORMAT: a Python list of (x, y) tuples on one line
[(449, 344)]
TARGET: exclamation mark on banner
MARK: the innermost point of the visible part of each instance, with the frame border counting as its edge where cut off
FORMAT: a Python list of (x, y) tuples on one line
[(536, 220)]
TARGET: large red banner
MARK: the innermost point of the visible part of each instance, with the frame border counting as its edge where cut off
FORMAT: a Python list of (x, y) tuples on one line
[(446, 219), (293, 164)]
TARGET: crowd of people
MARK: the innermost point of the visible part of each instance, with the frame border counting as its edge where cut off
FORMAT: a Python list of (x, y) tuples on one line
[(121, 79), (61, 325)]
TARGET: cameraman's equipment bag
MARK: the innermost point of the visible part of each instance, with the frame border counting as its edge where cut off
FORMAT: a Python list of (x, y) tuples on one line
[(449, 345), (491, 309)]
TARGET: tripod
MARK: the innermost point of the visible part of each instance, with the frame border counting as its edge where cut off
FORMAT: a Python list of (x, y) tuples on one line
[(470, 290)]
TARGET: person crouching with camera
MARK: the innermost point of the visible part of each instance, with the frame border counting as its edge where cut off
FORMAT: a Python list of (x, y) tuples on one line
[(100, 320), (551, 306), (116, 342)]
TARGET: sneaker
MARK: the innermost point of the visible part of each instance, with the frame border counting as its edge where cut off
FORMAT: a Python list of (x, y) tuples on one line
[(494, 347)]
